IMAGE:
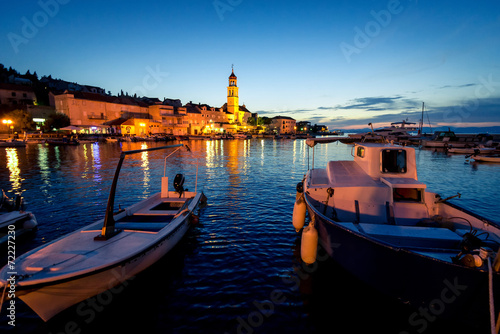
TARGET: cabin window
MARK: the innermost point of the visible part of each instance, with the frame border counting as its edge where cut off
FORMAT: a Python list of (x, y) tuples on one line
[(360, 152), (394, 161), (407, 195)]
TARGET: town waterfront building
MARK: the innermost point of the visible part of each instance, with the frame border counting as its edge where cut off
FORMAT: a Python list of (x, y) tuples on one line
[(14, 95), (101, 113), (283, 125)]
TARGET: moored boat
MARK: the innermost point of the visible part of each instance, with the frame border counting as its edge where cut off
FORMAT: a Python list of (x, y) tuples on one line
[(471, 150), (64, 141), (486, 158), (112, 139), (396, 132), (14, 220), (12, 143), (106, 253), (376, 219), (241, 135)]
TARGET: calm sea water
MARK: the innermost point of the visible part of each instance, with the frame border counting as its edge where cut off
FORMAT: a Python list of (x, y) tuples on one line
[(239, 269)]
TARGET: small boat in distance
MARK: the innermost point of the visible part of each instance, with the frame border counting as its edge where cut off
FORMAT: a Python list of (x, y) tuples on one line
[(478, 149), (112, 139), (64, 141), (376, 219), (486, 158), (11, 142), (106, 253), (397, 131)]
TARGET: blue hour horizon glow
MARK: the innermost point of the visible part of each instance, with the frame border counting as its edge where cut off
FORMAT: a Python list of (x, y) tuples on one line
[(339, 63)]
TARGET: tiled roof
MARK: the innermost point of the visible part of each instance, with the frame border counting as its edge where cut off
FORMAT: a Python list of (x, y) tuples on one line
[(127, 100), (9, 86)]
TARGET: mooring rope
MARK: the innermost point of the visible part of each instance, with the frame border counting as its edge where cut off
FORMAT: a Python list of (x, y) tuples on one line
[(3, 296), (493, 327)]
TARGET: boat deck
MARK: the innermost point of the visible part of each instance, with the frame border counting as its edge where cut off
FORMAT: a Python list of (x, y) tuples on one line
[(437, 242)]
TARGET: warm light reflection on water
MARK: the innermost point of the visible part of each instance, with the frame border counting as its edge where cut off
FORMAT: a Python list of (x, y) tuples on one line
[(245, 238), (214, 149), (44, 168), (13, 166), (96, 162), (145, 166)]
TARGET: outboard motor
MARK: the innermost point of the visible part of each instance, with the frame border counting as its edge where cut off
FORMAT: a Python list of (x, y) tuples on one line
[(178, 184)]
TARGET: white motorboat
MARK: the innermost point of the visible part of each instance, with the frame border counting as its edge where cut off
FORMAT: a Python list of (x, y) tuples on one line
[(14, 221), (376, 219), (395, 132), (106, 253)]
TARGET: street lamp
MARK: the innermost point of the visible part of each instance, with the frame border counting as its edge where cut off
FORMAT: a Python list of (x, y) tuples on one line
[(8, 122)]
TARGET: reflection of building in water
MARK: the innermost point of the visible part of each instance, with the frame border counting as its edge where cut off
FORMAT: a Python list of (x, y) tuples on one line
[(14, 170), (96, 162), (145, 165)]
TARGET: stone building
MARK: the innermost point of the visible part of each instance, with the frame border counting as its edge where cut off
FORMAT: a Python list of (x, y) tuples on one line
[(283, 125), (14, 95), (143, 116)]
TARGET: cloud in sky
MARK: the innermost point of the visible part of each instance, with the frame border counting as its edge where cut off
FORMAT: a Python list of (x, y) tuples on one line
[(383, 110), (287, 55), (469, 112), (371, 103)]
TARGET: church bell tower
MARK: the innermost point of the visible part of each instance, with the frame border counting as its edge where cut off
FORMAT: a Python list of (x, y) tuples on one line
[(232, 97)]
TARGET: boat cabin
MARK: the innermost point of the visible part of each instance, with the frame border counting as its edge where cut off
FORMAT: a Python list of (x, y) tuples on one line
[(381, 181)]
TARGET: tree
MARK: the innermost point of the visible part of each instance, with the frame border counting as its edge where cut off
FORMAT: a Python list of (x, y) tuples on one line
[(57, 121), (21, 120), (266, 120), (251, 121)]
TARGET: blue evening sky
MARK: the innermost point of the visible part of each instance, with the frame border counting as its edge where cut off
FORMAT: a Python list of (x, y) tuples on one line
[(340, 63)]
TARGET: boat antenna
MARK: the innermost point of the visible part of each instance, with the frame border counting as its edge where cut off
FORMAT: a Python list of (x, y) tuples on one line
[(421, 121), (428, 120)]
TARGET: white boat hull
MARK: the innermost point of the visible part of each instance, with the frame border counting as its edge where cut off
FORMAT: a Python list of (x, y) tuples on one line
[(55, 298), (75, 267)]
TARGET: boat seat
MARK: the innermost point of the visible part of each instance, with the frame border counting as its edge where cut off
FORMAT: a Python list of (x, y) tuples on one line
[(154, 227), (146, 218)]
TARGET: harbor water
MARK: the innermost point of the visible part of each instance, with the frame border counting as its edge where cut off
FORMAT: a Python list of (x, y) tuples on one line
[(239, 269)]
